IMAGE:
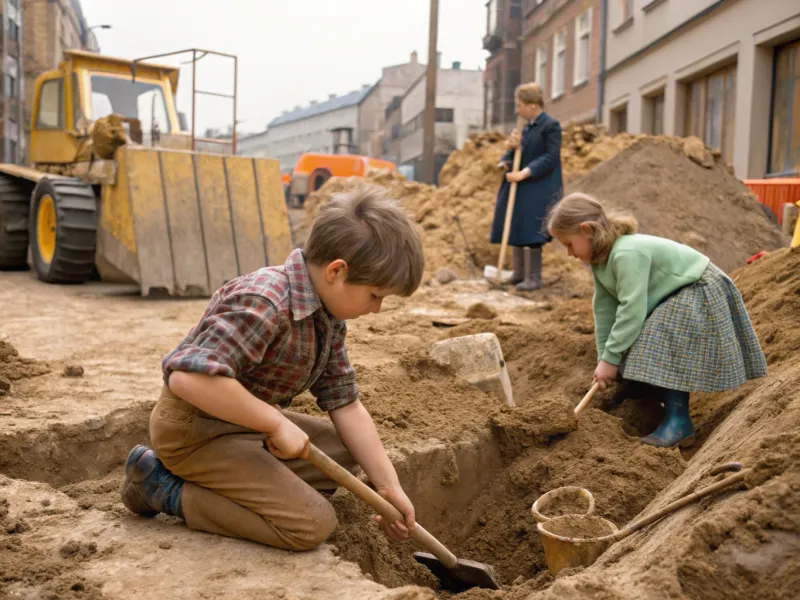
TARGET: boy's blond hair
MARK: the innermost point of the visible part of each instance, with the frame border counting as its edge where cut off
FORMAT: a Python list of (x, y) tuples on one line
[(530, 93), (371, 233), (573, 210)]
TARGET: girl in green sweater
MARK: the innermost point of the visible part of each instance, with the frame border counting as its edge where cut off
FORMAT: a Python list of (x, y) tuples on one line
[(664, 314)]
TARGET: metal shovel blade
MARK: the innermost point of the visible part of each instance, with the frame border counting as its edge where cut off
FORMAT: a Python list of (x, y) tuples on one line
[(467, 574)]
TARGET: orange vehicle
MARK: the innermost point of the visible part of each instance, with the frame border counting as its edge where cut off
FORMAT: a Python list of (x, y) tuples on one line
[(313, 170)]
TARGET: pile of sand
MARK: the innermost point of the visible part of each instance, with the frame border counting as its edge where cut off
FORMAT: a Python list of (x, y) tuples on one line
[(13, 367), (675, 188), (673, 196), (586, 146)]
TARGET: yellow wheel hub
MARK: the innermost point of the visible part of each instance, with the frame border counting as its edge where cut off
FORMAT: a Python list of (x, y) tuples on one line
[(46, 228)]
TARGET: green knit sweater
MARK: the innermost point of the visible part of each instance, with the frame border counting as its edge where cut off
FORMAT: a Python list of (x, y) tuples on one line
[(640, 272)]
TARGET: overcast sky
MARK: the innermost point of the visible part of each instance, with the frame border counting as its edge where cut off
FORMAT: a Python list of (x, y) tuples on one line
[(290, 51)]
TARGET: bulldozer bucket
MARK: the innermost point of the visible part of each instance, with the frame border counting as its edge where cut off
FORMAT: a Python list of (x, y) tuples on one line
[(187, 222)]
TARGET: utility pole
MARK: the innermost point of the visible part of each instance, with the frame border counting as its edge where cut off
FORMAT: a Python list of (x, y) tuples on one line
[(429, 119)]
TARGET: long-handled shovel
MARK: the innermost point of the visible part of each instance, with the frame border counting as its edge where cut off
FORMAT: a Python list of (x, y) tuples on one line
[(455, 574), (512, 197)]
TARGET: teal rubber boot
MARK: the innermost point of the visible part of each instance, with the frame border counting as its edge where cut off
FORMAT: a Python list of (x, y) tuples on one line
[(677, 424), (149, 487)]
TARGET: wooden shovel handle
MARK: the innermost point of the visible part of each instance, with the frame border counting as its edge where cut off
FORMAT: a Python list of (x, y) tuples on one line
[(680, 503), (587, 398), (384, 508), (512, 197)]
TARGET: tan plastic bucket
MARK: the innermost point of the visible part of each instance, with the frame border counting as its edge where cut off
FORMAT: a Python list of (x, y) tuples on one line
[(575, 540), (563, 501)]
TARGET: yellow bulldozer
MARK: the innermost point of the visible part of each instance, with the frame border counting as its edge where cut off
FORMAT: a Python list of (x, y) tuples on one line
[(159, 209)]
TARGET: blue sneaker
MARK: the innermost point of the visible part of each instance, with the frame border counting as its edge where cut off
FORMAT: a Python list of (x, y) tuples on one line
[(149, 488), (677, 424)]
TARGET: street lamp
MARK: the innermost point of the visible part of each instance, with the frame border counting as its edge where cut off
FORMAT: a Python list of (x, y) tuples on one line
[(85, 36)]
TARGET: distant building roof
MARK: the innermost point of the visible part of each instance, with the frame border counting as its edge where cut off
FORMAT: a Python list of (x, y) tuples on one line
[(338, 102)]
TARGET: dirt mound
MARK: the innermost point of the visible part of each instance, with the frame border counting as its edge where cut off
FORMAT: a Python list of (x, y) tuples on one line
[(673, 196), (662, 180), (13, 367), (416, 400), (771, 290), (736, 545)]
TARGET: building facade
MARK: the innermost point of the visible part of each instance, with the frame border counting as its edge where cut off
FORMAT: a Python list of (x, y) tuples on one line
[(561, 49), (395, 81), (12, 100), (504, 64), (727, 71), (36, 34), (328, 127), (459, 112)]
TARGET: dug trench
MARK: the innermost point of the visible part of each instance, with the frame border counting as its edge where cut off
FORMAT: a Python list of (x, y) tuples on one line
[(472, 469)]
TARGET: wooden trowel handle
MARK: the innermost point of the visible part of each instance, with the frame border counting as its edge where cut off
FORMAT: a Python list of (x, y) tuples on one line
[(587, 398), (384, 508)]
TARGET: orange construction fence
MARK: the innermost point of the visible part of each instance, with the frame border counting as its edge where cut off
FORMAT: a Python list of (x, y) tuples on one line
[(774, 193)]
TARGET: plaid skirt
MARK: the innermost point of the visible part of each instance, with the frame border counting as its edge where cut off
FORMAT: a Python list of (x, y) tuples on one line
[(700, 339)]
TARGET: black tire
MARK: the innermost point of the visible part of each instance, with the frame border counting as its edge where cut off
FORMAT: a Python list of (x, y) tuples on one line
[(75, 207), (14, 208), (318, 178)]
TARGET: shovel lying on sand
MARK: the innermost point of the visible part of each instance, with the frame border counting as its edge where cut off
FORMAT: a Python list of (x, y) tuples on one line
[(578, 541), (455, 574)]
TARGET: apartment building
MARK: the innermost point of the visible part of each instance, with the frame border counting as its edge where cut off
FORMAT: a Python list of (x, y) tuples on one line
[(12, 100), (330, 126), (561, 48), (727, 71), (35, 35), (503, 66), (394, 81), (459, 112)]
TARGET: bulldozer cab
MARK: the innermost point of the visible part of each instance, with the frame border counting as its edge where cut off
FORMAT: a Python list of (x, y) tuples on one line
[(87, 87)]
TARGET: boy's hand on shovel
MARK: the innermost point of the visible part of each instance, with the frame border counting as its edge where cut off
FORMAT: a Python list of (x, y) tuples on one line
[(396, 531), (288, 441)]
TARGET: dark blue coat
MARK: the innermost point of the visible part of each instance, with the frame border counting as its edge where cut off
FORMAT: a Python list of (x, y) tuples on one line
[(541, 153)]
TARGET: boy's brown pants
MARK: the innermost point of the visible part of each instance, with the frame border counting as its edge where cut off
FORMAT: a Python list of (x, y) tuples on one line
[(236, 487)]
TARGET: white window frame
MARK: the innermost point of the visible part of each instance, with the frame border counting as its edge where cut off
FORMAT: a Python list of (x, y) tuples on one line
[(559, 49), (541, 66), (580, 77)]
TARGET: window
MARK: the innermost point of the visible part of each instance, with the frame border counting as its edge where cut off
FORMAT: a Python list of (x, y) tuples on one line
[(710, 110), (583, 36), (491, 17), (785, 142), (13, 30), (654, 114), (627, 10), (10, 85), (444, 115), (619, 120), (515, 9), (136, 100), (541, 66), (559, 63), (50, 106)]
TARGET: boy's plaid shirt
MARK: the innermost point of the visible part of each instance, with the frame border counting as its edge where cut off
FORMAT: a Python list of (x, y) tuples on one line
[(270, 331)]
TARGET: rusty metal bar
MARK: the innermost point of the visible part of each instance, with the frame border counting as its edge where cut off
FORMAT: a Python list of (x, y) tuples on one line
[(194, 96), (235, 86), (205, 93)]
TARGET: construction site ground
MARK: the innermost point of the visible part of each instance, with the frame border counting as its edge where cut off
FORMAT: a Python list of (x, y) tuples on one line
[(79, 373)]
